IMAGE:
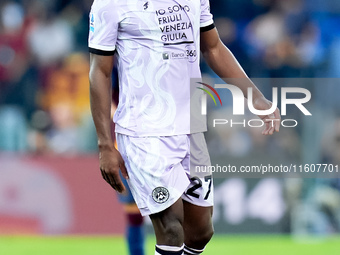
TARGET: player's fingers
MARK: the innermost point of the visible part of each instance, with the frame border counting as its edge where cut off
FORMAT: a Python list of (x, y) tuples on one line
[(277, 123), (271, 125), (111, 180), (104, 176), (268, 124), (266, 131), (123, 170), (120, 187), (108, 179), (118, 183), (276, 120)]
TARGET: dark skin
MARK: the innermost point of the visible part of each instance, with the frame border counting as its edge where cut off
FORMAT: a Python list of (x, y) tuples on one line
[(181, 222), (111, 162), (225, 65)]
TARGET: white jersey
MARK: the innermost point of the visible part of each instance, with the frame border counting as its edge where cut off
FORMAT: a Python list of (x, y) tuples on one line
[(158, 47)]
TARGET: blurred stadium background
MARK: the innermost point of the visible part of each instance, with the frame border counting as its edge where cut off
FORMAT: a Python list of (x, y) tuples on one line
[(49, 178)]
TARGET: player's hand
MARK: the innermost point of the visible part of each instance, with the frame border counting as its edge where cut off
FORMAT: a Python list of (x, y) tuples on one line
[(272, 121), (111, 162)]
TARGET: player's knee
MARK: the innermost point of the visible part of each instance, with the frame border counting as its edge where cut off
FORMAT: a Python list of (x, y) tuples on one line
[(201, 239), (207, 236), (173, 233)]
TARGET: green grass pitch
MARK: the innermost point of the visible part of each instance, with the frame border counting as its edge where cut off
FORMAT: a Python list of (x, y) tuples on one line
[(220, 245)]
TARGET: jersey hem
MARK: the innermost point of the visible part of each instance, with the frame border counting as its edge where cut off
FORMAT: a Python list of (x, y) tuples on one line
[(101, 47), (207, 23), (206, 204), (207, 28)]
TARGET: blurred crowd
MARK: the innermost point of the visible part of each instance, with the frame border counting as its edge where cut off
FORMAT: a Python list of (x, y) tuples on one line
[(281, 38), (44, 64)]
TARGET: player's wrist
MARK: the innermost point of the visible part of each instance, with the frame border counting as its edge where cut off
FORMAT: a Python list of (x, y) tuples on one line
[(257, 95), (103, 146)]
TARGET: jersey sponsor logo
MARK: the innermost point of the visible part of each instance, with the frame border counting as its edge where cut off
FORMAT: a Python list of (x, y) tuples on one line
[(146, 6), (178, 55), (174, 55), (175, 24), (191, 53), (166, 55), (160, 195), (174, 37)]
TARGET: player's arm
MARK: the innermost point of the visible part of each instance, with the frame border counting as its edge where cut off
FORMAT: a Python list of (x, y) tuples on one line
[(100, 94), (225, 65)]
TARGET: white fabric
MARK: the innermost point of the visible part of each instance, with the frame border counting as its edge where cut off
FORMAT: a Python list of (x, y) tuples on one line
[(159, 170), (169, 249), (192, 251), (158, 46)]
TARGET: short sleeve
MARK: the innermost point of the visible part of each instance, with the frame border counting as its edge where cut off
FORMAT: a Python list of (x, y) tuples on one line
[(206, 20), (104, 20)]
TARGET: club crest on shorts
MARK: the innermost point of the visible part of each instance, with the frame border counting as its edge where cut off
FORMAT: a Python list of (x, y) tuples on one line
[(160, 195)]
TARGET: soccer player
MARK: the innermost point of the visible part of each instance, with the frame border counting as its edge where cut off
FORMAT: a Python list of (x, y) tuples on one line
[(157, 45)]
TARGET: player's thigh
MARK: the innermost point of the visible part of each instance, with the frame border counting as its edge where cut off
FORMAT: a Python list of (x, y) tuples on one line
[(156, 176), (168, 225)]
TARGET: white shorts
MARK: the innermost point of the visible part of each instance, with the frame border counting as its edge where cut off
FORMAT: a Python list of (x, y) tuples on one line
[(159, 170)]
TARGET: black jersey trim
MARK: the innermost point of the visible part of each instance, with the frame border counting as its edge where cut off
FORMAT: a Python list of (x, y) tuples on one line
[(207, 28), (102, 52), (177, 43)]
